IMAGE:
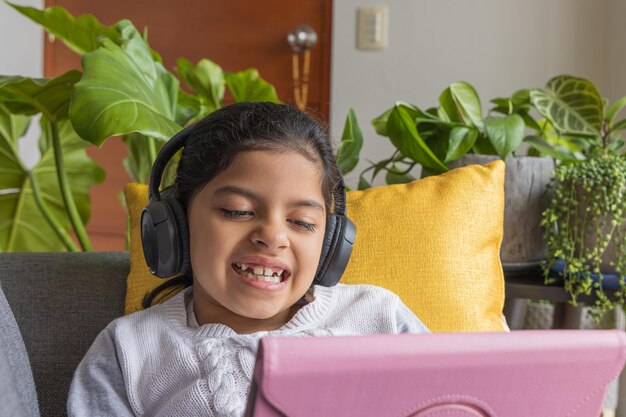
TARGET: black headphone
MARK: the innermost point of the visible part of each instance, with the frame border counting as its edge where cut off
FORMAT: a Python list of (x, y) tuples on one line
[(165, 236)]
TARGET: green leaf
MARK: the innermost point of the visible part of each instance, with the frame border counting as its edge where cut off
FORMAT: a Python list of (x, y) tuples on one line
[(616, 145), (503, 105), (206, 79), (12, 127), (505, 133), (530, 122), (23, 228), (619, 125), (403, 134), (350, 144), (518, 101), (189, 108), (380, 123), (394, 176), (571, 104), (448, 110), (124, 90), (614, 109), (81, 34), (467, 103), (29, 96), (461, 140), (247, 85), (521, 98), (546, 149), (483, 146)]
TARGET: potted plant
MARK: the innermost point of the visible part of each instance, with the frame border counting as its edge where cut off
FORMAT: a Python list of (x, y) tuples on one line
[(40, 206), (125, 90), (585, 221), (457, 133)]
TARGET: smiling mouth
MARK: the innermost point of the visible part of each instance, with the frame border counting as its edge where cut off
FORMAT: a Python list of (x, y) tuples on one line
[(259, 273)]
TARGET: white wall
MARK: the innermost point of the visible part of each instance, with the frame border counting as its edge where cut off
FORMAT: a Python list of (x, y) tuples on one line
[(498, 46), (615, 65), (21, 49), (21, 41)]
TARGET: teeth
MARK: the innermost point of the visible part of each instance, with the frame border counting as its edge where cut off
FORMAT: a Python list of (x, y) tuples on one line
[(259, 270), (264, 278), (260, 273)]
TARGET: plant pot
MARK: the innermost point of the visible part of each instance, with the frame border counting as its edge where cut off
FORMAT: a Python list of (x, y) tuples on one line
[(591, 237), (525, 185)]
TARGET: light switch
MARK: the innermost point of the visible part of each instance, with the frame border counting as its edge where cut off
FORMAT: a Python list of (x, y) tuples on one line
[(372, 23)]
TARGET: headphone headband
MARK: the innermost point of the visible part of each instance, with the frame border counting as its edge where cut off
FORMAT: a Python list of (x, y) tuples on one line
[(179, 140), (165, 154)]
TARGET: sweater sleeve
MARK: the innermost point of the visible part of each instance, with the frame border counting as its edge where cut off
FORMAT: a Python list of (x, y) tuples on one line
[(407, 321), (98, 386)]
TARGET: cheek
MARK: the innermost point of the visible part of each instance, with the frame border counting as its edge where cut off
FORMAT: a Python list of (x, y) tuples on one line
[(206, 243), (309, 252)]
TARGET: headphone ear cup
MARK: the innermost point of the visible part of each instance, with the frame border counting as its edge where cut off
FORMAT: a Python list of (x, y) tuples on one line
[(164, 237), (183, 235), (336, 250)]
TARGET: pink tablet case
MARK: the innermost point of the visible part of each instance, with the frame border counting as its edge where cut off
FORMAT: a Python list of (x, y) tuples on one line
[(556, 373)]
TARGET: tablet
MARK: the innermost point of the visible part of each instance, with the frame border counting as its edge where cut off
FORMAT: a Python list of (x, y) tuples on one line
[(522, 373)]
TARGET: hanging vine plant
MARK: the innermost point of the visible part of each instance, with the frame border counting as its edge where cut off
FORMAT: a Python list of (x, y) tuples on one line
[(585, 222)]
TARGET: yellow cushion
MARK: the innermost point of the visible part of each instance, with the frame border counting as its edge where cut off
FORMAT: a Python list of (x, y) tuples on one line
[(435, 242)]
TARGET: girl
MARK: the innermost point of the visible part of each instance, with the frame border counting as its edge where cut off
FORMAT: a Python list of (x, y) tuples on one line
[(255, 184)]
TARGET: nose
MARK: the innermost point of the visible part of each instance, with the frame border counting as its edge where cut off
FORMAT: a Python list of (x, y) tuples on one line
[(270, 234)]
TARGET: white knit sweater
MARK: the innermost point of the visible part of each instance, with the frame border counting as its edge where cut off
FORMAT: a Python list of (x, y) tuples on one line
[(159, 362)]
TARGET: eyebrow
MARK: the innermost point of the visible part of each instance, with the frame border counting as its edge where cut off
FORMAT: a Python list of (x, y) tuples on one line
[(249, 194)]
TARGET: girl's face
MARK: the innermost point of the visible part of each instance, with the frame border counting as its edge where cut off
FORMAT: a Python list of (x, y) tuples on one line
[(256, 233)]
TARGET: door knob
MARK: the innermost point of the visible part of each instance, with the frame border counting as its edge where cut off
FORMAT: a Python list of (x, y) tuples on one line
[(302, 38)]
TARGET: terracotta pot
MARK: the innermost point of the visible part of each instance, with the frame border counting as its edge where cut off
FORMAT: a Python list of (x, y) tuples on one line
[(526, 180)]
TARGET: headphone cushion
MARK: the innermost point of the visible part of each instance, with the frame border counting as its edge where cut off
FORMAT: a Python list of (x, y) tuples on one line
[(180, 218), (164, 238), (327, 249)]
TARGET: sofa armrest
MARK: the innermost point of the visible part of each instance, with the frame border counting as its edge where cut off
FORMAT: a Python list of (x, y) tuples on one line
[(61, 301)]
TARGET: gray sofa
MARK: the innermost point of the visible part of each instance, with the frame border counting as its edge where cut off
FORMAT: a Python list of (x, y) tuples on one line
[(60, 301)]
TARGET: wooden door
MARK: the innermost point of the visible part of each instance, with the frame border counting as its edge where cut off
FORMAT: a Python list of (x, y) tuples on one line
[(236, 34)]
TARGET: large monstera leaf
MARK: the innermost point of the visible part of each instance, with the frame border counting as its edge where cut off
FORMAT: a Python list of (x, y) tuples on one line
[(23, 227), (80, 33), (124, 90), (572, 105), (29, 96)]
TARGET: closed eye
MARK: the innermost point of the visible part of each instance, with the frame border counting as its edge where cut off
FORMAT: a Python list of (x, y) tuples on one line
[(304, 225), (235, 214)]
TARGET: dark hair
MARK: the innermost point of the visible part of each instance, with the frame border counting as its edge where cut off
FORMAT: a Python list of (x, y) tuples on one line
[(214, 142)]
